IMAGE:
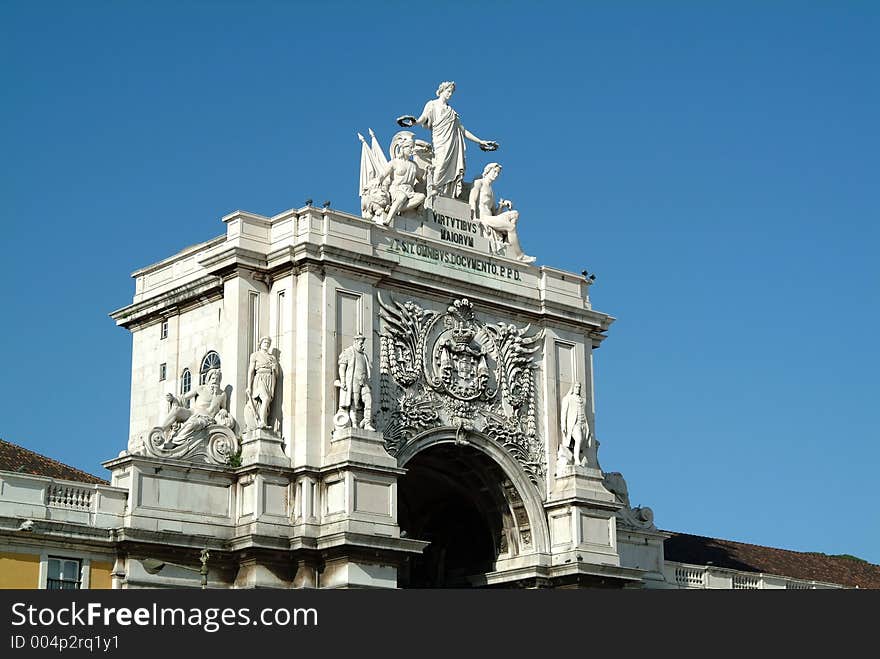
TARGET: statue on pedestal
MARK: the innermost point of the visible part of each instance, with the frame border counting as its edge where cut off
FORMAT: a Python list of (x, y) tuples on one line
[(354, 387), (500, 224), (575, 430), (261, 376), (448, 137)]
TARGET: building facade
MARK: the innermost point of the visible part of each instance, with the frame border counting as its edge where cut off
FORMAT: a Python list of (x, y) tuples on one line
[(402, 398)]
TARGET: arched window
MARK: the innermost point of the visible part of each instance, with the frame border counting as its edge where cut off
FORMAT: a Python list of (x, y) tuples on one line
[(209, 361), (185, 381)]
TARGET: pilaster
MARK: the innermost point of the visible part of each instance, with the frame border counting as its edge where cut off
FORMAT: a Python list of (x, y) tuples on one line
[(308, 406)]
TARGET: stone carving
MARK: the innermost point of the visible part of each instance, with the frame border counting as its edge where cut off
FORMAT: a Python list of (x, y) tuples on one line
[(261, 377), (354, 387), (375, 197), (448, 137), (452, 370), (638, 517), (204, 433), (403, 173), (575, 431), (498, 224), (376, 200)]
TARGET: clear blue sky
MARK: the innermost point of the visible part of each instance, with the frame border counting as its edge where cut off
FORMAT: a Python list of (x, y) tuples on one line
[(716, 164)]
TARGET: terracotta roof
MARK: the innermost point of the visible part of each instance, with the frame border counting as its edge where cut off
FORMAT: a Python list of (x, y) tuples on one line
[(808, 566), (19, 459)]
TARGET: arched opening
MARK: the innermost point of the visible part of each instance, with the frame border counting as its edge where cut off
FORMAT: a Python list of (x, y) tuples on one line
[(460, 500), (210, 361)]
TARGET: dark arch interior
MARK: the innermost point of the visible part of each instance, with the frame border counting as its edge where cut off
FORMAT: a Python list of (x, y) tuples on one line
[(452, 496)]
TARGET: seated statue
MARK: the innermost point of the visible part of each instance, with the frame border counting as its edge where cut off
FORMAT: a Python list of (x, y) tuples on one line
[(403, 173), (500, 225), (209, 409)]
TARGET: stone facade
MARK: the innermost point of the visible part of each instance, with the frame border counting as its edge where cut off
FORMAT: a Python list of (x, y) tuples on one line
[(398, 399), (500, 343)]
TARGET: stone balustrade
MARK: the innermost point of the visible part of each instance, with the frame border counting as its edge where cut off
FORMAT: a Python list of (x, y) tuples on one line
[(35, 498), (711, 577)]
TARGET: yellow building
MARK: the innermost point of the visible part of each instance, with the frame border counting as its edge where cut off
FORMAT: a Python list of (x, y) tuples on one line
[(47, 535)]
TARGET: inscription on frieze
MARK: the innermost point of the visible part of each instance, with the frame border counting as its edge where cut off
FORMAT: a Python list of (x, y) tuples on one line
[(473, 263)]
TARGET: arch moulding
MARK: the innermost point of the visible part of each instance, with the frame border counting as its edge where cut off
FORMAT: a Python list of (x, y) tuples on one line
[(525, 489)]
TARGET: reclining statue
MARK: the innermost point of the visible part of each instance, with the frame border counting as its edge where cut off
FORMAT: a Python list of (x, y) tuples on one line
[(499, 224)]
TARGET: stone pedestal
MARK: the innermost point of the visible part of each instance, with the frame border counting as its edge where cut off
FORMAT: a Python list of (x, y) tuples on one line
[(580, 512), (262, 446), (359, 445)]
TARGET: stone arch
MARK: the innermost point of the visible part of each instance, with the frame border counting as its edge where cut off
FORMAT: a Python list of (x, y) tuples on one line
[(524, 517)]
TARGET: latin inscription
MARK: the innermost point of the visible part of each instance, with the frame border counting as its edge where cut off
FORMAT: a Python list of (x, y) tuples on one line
[(454, 230), (473, 263)]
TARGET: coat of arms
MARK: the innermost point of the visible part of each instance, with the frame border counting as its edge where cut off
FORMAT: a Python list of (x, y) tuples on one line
[(452, 369)]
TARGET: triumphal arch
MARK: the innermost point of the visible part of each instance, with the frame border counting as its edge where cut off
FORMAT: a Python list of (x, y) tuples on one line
[(401, 397)]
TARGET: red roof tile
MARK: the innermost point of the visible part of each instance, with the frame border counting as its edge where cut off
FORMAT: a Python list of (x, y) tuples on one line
[(19, 459), (698, 550)]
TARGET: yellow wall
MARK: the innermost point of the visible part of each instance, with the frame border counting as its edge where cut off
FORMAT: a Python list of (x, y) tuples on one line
[(19, 570), (99, 576)]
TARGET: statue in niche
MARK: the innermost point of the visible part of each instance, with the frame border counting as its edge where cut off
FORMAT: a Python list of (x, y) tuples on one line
[(261, 376), (403, 173), (448, 137), (575, 430), (354, 387), (209, 409), (499, 224)]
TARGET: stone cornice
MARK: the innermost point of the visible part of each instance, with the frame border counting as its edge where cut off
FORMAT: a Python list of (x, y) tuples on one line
[(546, 301), (201, 291), (182, 254), (51, 532), (219, 260)]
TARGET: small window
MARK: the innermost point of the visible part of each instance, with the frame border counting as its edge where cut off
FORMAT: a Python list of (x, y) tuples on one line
[(163, 332), (163, 371), (63, 574), (209, 362), (185, 381)]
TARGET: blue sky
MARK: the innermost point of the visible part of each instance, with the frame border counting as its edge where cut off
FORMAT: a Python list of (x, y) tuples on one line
[(716, 164)]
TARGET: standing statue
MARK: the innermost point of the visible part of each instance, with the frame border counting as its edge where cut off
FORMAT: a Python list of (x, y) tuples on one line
[(500, 225), (448, 137), (575, 430), (209, 409), (354, 386), (403, 173), (261, 375)]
